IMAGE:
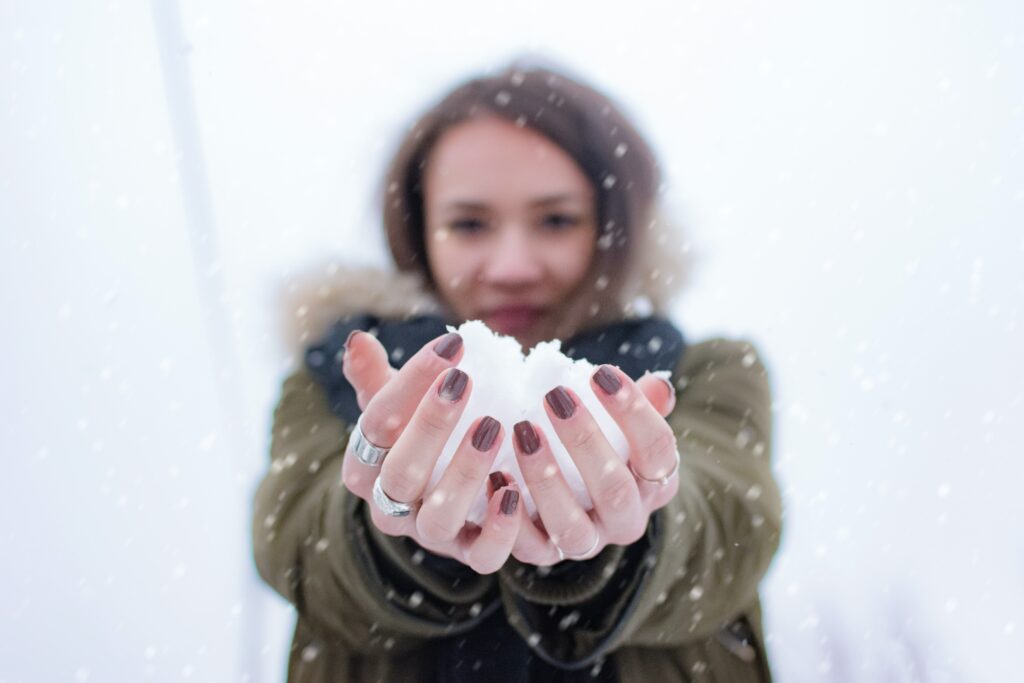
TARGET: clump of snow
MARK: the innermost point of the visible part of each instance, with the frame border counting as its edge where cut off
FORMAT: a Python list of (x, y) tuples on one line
[(510, 387)]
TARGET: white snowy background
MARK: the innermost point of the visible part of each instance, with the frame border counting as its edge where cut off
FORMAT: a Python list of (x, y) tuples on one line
[(849, 173)]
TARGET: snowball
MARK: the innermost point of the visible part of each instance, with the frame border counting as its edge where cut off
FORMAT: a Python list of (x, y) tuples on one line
[(510, 387)]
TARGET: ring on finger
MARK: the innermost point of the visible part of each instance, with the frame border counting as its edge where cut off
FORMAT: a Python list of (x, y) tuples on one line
[(388, 505), (562, 555), (661, 481), (365, 450)]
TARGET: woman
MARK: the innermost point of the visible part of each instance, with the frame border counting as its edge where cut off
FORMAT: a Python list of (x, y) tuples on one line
[(526, 200)]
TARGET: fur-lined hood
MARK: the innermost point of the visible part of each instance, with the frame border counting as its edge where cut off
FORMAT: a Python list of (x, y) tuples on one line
[(317, 298)]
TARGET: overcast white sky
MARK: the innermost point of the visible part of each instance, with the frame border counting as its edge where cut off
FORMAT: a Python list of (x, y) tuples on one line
[(850, 174)]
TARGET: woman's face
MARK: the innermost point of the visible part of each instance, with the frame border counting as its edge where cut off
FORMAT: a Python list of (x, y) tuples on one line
[(510, 226)]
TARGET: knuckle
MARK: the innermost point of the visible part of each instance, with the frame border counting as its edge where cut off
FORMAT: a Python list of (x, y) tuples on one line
[(618, 491), (662, 443), (434, 529), (434, 423), (466, 475), (378, 428), (482, 565), (388, 525), (632, 531), (426, 368), (543, 483), (576, 538), (401, 484), (588, 437), (352, 479)]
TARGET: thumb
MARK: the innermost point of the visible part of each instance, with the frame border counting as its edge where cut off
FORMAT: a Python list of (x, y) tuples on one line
[(659, 391), (365, 366)]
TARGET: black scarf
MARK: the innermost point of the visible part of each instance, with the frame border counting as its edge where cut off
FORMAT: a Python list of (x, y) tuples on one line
[(493, 651)]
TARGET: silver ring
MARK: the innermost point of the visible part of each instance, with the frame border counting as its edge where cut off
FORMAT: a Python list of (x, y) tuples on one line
[(366, 452), (388, 505), (663, 480), (581, 556)]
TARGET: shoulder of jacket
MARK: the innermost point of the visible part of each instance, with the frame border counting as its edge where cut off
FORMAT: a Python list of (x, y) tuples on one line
[(315, 299), (720, 351)]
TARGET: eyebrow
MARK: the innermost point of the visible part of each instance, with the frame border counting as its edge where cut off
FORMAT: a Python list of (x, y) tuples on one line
[(550, 199)]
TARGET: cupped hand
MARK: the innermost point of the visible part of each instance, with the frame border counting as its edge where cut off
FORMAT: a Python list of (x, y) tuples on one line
[(413, 411), (622, 502)]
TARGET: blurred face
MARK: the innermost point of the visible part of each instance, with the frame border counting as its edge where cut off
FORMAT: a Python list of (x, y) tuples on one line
[(510, 226)]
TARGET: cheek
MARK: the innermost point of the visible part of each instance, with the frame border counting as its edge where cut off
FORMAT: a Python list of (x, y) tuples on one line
[(573, 259), (449, 263)]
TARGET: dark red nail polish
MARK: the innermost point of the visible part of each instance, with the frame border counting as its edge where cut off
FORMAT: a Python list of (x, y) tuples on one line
[(449, 345), (561, 402), (606, 379), (509, 501), (453, 385), (526, 437), (486, 432), (498, 481)]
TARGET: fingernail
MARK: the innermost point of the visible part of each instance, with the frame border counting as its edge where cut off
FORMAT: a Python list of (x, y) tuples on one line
[(509, 501), (606, 379), (498, 481), (526, 437), (348, 339), (449, 345), (486, 432), (561, 402), (453, 385), (671, 387)]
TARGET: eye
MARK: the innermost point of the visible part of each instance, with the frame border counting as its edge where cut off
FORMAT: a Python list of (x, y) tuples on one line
[(560, 221), (466, 225)]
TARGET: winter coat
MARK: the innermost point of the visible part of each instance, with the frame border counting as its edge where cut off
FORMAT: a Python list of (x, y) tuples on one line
[(680, 605)]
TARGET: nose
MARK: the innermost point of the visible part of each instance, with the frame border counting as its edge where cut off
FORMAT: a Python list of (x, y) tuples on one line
[(513, 260)]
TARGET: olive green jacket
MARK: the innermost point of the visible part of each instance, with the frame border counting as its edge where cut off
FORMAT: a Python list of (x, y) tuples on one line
[(368, 608)]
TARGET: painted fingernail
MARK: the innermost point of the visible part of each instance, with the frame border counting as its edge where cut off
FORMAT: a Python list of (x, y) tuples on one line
[(509, 501), (498, 481), (486, 432), (448, 346), (526, 437), (453, 385), (606, 379), (348, 340), (561, 402)]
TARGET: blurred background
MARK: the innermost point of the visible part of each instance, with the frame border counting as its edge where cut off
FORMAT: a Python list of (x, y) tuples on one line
[(850, 178)]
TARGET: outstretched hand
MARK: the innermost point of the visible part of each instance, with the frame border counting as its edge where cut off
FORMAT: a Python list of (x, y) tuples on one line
[(414, 409), (413, 412)]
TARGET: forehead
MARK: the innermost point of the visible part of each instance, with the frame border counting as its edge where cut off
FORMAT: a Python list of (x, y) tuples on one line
[(492, 159)]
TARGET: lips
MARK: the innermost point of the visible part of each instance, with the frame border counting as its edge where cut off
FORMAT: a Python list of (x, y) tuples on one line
[(513, 320)]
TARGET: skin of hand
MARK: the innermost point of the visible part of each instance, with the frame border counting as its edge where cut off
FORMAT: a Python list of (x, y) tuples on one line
[(405, 408)]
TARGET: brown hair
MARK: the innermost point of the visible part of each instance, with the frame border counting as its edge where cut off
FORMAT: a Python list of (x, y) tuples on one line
[(582, 121)]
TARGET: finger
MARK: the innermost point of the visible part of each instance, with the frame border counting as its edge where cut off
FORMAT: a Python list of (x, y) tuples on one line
[(490, 549), (407, 468), (612, 486), (659, 391), (652, 442), (534, 546), (389, 411), (365, 366), (567, 524), (446, 507), (392, 526)]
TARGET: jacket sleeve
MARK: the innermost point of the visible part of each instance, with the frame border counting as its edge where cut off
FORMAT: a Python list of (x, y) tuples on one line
[(314, 543), (704, 553)]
